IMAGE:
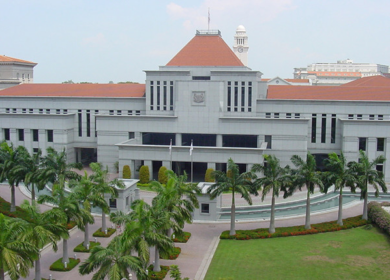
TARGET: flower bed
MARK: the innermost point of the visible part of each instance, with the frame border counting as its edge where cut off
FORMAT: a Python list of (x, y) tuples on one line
[(99, 233), (172, 254), (294, 231), (5, 208), (379, 216), (182, 238), (80, 248), (59, 266), (158, 275)]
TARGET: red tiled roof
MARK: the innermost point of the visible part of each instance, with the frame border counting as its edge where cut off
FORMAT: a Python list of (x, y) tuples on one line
[(205, 50), (4, 58), (75, 90), (299, 81), (329, 93), (335, 74), (373, 81)]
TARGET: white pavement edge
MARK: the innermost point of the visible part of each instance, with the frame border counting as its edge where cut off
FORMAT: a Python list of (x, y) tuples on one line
[(204, 266)]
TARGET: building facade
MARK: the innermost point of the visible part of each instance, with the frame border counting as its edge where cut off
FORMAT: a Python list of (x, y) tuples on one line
[(15, 71), (204, 100)]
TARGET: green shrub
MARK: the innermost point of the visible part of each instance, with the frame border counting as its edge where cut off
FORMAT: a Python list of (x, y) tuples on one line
[(144, 174), (99, 233), (5, 208), (171, 254), (80, 248), (162, 176), (208, 177), (116, 166), (126, 172), (181, 238), (59, 266), (157, 275), (294, 231), (379, 216)]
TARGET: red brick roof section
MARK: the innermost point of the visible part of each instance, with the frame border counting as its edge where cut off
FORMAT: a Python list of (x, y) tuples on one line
[(206, 50), (373, 81), (358, 93), (76, 90), (4, 58)]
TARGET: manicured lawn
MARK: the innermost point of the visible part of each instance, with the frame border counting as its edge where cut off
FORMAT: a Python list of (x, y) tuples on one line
[(357, 253)]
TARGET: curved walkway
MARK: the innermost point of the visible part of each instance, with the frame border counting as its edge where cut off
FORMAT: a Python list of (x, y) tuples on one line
[(196, 253)]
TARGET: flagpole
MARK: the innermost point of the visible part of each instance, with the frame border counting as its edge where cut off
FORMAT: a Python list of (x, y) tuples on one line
[(170, 154), (192, 162)]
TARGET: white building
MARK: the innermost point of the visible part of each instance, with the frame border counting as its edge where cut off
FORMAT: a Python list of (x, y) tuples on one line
[(204, 95), (344, 71), (15, 71)]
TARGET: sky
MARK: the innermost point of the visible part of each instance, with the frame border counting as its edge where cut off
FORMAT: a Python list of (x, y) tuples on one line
[(116, 40)]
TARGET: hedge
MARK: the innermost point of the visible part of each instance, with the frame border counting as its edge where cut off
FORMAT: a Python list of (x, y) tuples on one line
[(59, 266), (126, 172), (162, 176), (144, 174), (378, 215), (296, 230), (208, 177)]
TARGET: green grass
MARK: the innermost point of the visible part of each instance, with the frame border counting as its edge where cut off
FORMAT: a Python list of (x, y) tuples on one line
[(99, 233), (357, 253), (59, 266), (80, 248)]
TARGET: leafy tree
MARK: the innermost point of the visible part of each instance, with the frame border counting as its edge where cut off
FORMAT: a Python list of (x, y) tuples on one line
[(232, 181), (100, 178), (16, 256), (162, 176), (44, 228), (175, 273), (275, 179), (306, 175), (144, 174), (208, 176), (112, 262), (366, 173), (340, 176), (10, 160), (126, 172)]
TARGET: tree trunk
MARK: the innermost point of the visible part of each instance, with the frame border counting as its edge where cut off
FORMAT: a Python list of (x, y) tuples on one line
[(104, 226), (272, 221), (2, 276), (32, 193), (13, 208), (365, 212), (86, 235), (156, 266), (307, 223), (233, 220), (38, 269), (65, 257), (340, 218)]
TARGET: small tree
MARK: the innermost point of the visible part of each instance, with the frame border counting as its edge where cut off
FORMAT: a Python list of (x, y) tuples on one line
[(162, 176), (126, 172), (208, 177), (144, 174)]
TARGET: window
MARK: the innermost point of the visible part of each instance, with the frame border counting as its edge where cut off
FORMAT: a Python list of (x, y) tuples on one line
[(371, 117), (297, 116), (235, 96), (359, 117), (40, 111), (313, 128), (7, 134), (205, 208), (268, 115), (362, 144), (333, 130), (21, 134), (323, 129), (127, 200), (47, 111), (137, 113), (380, 144), (158, 95), (229, 97), (35, 135), (171, 96), (380, 117), (165, 96), (88, 123), (201, 78), (58, 111), (129, 112), (31, 111), (80, 119), (151, 95), (131, 135), (268, 139), (112, 203), (7, 110), (276, 115), (65, 111), (350, 116), (24, 110), (288, 115), (50, 136), (379, 167), (96, 113), (242, 96), (119, 112), (111, 112), (249, 96), (35, 150), (14, 110)]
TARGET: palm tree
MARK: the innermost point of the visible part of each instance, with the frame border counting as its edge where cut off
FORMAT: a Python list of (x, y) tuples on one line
[(43, 228), (145, 230), (366, 173), (306, 175), (232, 181), (104, 186), (10, 159), (16, 256), (275, 178), (86, 192), (113, 262), (70, 206), (340, 176)]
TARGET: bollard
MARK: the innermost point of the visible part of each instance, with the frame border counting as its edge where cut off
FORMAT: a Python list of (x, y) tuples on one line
[(75, 256), (50, 277), (88, 246), (95, 240), (65, 265)]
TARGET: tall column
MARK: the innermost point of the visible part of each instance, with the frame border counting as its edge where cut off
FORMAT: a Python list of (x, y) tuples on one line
[(371, 148), (150, 164)]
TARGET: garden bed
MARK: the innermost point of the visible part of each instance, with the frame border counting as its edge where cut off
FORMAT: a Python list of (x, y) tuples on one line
[(99, 233), (81, 249), (59, 266)]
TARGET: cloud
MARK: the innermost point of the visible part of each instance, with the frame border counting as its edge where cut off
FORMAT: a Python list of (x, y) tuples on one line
[(225, 10), (97, 41)]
